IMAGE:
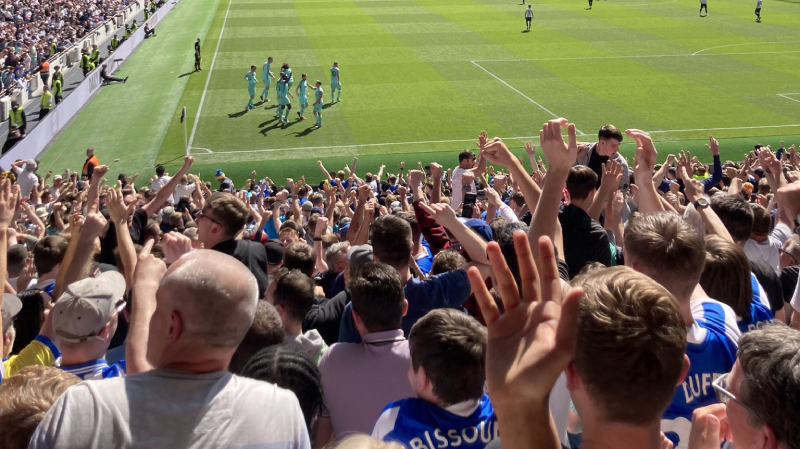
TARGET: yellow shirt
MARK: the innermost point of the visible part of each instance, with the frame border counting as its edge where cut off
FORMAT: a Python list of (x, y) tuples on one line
[(41, 351)]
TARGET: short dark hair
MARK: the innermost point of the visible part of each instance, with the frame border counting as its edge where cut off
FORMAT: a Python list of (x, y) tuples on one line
[(416, 234), (464, 155), (769, 358), (300, 256), (726, 275), (230, 211), (160, 170), (608, 132), (451, 346), (377, 295), (446, 261), (581, 181), (295, 292), (736, 215), (504, 236), (48, 253), (16, 256), (391, 240), (762, 221), (266, 330)]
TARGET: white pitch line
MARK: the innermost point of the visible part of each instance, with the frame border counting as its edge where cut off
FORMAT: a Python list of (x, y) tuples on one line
[(739, 45), (587, 58), (208, 80), (786, 96), (427, 142), (523, 95)]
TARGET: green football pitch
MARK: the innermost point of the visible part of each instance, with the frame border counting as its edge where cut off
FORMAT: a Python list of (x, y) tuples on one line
[(421, 79)]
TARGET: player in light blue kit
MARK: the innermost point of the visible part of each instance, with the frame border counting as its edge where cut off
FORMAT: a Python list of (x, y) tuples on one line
[(252, 80), (288, 71), (302, 95), (336, 83), (266, 78), (318, 104), (284, 106)]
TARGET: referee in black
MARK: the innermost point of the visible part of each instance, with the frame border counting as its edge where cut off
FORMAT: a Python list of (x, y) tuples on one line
[(197, 57)]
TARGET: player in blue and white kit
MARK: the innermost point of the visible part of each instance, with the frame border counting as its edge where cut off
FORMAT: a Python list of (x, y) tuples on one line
[(448, 355), (302, 95), (284, 106), (758, 11), (336, 82), (252, 80), (266, 78), (318, 104)]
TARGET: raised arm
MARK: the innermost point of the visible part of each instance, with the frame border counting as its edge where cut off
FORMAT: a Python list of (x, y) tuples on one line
[(7, 207), (646, 155), (94, 185), (118, 213), (321, 229), (436, 174), (716, 175), (694, 191), (497, 152), (612, 173), (324, 172), (473, 244), (147, 277), (165, 192)]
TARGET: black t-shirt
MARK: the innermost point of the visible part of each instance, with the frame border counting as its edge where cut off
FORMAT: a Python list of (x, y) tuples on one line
[(769, 279), (789, 276), (526, 218), (326, 315), (253, 255), (584, 240), (138, 223)]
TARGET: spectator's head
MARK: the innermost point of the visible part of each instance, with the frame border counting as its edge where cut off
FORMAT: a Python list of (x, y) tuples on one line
[(288, 235), (11, 308), (664, 247), (294, 296), (288, 366), (48, 254), (762, 222), (24, 400), (517, 202), (378, 298), (736, 214), (85, 317), (630, 345), (504, 236), (446, 261), (356, 257), (790, 252), (14, 105), (608, 140), (336, 256), (275, 253), (89, 152), (448, 357), (726, 275), (160, 170), (266, 330), (205, 305), (466, 159), (222, 218), (391, 241), (16, 259), (581, 185), (30, 318), (765, 381), (299, 256)]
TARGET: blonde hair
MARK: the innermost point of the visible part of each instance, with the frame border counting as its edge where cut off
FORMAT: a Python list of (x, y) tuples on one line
[(366, 442), (24, 400)]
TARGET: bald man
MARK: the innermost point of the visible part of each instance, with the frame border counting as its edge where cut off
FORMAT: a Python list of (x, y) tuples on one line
[(186, 323)]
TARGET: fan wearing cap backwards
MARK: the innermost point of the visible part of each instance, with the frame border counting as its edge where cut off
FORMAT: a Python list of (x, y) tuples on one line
[(84, 320)]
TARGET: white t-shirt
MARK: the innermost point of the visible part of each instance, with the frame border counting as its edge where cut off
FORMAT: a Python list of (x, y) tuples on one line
[(174, 409), (528, 13), (26, 180), (768, 251), (458, 190), (183, 190), (156, 185)]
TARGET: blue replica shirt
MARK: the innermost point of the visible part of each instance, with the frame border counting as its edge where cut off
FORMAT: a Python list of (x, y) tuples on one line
[(425, 262), (760, 310), (282, 88), (265, 72), (303, 97), (251, 79), (318, 95), (270, 230), (443, 291), (417, 424), (712, 342), (97, 369)]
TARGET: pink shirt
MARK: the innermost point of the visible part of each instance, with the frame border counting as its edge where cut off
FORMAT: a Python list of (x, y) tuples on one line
[(360, 379)]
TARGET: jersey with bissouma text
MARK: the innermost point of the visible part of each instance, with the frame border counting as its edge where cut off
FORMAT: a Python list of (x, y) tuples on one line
[(418, 424), (712, 342), (760, 310)]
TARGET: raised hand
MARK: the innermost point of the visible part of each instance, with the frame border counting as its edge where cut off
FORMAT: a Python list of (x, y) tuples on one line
[(646, 150), (692, 188), (713, 145), (493, 197), (415, 177), (483, 138), (363, 193), (93, 225), (436, 171), (674, 187), (116, 207), (187, 162), (441, 212), (709, 427), (530, 150), (322, 227), (175, 245), (685, 161), (497, 152), (559, 155), (8, 201), (612, 173), (149, 269), (532, 342), (467, 179)]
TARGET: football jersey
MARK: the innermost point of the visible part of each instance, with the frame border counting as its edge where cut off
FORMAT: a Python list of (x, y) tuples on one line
[(760, 310), (318, 95), (712, 342), (334, 75), (265, 71), (418, 424), (303, 94)]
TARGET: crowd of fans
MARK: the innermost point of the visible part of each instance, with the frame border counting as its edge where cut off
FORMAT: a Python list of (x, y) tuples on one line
[(589, 301), (31, 31)]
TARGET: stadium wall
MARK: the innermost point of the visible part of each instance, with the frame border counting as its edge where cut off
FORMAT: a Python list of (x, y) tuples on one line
[(40, 136)]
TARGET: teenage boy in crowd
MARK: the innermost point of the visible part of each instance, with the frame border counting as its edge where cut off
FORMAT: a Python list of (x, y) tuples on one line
[(447, 373)]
